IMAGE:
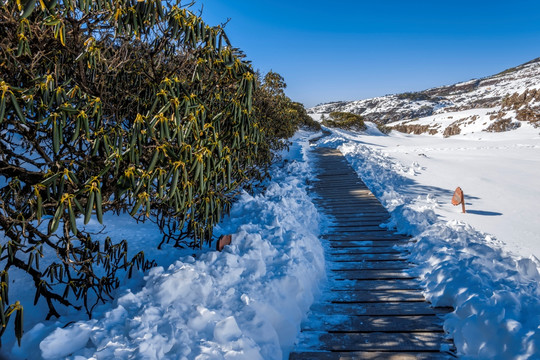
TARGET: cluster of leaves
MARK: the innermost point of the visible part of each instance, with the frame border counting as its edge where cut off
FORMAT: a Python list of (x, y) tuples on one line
[(123, 106), (344, 120), (278, 115)]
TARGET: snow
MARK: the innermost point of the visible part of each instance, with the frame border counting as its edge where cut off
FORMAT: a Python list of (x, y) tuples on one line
[(246, 302), (498, 173), (483, 263)]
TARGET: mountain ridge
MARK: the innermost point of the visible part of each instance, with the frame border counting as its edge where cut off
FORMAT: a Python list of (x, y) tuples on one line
[(511, 96)]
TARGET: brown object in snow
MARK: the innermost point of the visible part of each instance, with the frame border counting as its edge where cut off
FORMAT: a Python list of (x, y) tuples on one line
[(223, 241), (459, 198)]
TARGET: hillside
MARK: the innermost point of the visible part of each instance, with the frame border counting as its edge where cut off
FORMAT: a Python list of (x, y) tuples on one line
[(496, 103)]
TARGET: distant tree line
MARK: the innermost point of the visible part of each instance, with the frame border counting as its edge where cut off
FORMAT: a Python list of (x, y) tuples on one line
[(344, 120)]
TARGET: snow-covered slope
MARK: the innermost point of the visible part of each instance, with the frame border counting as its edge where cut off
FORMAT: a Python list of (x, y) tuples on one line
[(497, 103)]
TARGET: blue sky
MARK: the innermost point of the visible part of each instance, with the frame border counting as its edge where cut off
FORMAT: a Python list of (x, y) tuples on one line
[(350, 50)]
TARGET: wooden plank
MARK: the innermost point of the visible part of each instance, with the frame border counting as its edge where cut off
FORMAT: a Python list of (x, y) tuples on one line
[(358, 212), (366, 257), (364, 251), (344, 258), (378, 309), (367, 324), (352, 204), (350, 262), (348, 222), (356, 216), (363, 235), (332, 196), (349, 201), (374, 296), (355, 231), (371, 265), (372, 275), (367, 237), (335, 244), (359, 257), (351, 223), (342, 197), (350, 209), (378, 233), (421, 341), (365, 204), (369, 355), (393, 284), (365, 228), (361, 254), (351, 213), (343, 189), (370, 243), (341, 175)]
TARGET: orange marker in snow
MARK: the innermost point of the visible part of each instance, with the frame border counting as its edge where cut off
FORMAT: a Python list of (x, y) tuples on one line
[(223, 241), (459, 198)]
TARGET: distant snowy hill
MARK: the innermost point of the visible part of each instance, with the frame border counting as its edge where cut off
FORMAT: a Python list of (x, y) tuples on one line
[(501, 102)]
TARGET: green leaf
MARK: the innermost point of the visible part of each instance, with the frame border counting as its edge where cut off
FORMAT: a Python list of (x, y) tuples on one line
[(17, 108), (50, 179), (72, 219), (30, 260), (76, 131), (95, 148), (78, 205), (3, 320), (174, 183), (28, 8), (89, 206), (229, 170), (39, 210), (153, 163), (57, 217), (56, 137), (36, 296), (2, 109), (136, 207), (19, 325), (99, 208)]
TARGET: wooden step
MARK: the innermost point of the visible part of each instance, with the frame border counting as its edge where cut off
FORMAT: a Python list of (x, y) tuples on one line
[(368, 324), (427, 341)]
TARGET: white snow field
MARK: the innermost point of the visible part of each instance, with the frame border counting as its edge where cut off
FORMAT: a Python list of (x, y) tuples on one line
[(484, 263), (246, 302)]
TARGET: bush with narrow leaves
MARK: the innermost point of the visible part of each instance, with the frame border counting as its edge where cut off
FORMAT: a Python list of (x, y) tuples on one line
[(114, 105), (345, 120)]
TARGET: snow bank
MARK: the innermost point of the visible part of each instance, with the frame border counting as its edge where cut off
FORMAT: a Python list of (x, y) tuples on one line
[(495, 294), (246, 302)]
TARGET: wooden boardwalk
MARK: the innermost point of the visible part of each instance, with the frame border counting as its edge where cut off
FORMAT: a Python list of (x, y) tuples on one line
[(372, 308)]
